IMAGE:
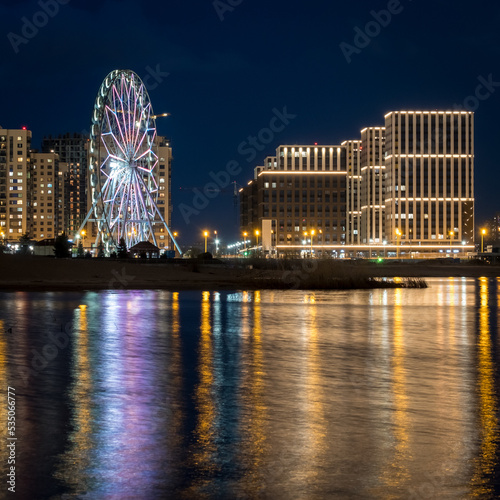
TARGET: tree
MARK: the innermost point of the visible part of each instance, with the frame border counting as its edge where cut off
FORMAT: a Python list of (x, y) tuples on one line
[(80, 252), (100, 250), (121, 249), (62, 247)]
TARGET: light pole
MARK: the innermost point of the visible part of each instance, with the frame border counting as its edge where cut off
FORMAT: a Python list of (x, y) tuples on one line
[(398, 241), (206, 238), (216, 243), (451, 240), (483, 232), (312, 234), (245, 241), (257, 245)]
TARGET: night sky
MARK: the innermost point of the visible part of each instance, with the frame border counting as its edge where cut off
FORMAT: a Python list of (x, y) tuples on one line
[(221, 79)]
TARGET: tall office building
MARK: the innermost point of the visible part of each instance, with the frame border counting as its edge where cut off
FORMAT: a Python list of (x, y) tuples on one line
[(429, 163), (353, 160), (45, 175), (372, 185), (15, 183), (72, 150)]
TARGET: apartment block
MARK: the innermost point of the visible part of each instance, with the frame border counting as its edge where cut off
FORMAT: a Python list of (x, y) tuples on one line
[(45, 175), (15, 183), (429, 185), (72, 150)]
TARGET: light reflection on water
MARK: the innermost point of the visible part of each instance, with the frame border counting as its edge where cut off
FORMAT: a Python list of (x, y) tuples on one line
[(349, 394)]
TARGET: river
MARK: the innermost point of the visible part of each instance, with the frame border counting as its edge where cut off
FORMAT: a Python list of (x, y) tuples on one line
[(378, 394)]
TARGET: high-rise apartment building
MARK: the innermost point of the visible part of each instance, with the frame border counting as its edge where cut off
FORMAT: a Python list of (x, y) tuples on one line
[(372, 185), (72, 149), (429, 185), (45, 176), (164, 202), (15, 183)]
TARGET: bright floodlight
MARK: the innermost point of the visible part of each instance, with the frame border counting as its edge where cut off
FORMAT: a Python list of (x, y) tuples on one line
[(123, 163)]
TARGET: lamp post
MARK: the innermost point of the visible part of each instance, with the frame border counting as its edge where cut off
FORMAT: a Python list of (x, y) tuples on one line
[(483, 232), (245, 234), (398, 241), (451, 239), (257, 245), (206, 240), (312, 235), (216, 243)]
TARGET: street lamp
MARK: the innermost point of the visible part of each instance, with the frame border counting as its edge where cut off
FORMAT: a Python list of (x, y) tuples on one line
[(216, 243), (483, 232), (398, 241), (257, 234), (245, 234), (451, 239), (206, 237), (312, 234)]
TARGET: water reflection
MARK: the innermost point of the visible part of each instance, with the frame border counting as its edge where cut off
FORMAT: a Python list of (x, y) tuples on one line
[(375, 393)]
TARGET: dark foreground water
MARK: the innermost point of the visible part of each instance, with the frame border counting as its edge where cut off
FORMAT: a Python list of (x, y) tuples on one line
[(284, 395)]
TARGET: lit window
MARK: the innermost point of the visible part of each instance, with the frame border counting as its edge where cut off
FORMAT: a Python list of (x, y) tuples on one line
[(20, 159)]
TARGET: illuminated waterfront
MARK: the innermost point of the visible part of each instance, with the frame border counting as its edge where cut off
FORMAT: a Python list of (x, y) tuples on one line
[(357, 394)]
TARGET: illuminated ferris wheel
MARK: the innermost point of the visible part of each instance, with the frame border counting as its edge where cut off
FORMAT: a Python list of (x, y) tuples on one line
[(123, 163)]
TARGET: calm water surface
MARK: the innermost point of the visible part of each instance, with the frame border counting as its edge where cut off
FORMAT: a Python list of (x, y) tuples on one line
[(152, 394)]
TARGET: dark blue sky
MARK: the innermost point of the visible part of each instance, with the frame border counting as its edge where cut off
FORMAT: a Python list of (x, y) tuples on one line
[(226, 77)]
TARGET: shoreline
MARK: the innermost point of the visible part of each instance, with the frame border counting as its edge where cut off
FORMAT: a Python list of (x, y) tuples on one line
[(23, 274)]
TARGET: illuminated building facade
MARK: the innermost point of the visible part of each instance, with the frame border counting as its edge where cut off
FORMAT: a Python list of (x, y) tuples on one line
[(72, 150), (164, 202), (429, 185), (406, 187), (302, 189), (45, 176), (15, 183), (372, 185), (353, 161)]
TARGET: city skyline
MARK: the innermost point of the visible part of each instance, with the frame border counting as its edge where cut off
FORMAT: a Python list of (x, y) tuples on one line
[(221, 84)]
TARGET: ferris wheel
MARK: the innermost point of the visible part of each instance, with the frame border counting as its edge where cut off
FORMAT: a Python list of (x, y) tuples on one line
[(123, 164)]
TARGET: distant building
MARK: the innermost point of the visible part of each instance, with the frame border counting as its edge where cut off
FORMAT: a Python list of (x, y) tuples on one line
[(353, 160), (15, 183), (372, 185), (401, 189), (301, 190), (45, 175), (72, 150), (429, 164)]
